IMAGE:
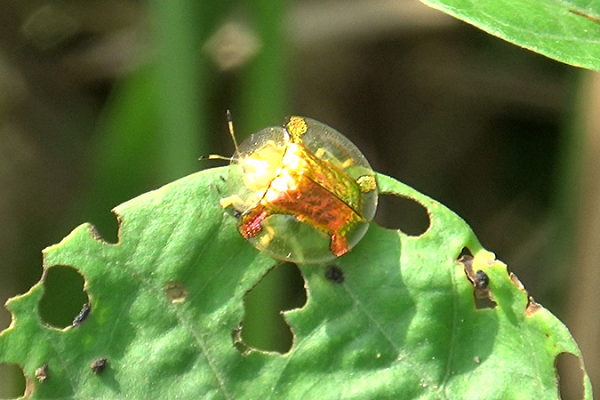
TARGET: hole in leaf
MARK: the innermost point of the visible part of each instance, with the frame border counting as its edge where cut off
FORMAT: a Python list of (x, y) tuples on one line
[(402, 213), (4, 316), (465, 252), (570, 376), (264, 328), (12, 381), (107, 229), (63, 296)]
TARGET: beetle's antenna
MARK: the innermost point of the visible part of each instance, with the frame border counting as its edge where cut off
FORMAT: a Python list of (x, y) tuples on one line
[(217, 156), (214, 157), (230, 126)]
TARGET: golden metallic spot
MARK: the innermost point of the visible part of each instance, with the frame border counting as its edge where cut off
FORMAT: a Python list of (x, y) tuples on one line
[(296, 127), (367, 183)]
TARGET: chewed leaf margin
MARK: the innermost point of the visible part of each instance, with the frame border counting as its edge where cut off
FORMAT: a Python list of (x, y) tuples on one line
[(166, 298)]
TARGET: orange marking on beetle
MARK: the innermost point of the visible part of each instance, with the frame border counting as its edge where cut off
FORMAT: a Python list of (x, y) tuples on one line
[(296, 186)]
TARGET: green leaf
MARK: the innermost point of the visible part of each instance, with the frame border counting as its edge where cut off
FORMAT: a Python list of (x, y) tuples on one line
[(167, 301), (566, 30)]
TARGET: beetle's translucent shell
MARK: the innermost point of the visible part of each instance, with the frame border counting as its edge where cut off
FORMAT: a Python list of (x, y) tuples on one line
[(304, 193)]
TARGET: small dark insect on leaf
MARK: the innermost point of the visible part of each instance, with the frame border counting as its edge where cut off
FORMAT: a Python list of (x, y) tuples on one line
[(237, 213), (98, 365), (481, 280), (238, 342), (83, 314), (42, 373), (334, 274)]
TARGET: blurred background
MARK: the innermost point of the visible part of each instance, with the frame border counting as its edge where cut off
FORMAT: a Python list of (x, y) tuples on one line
[(103, 101)]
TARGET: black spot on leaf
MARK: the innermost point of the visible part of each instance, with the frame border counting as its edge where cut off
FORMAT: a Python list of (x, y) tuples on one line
[(98, 365), (334, 274), (83, 314)]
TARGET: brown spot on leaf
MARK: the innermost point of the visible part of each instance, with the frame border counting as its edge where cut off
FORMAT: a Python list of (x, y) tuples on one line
[(517, 282), (238, 342), (532, 307), (29, 387), (467, 261), (42, 373), (175, 292)]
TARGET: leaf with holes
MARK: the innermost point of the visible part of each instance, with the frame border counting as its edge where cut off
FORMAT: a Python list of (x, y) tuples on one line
[(396, 317), (568, 31)]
